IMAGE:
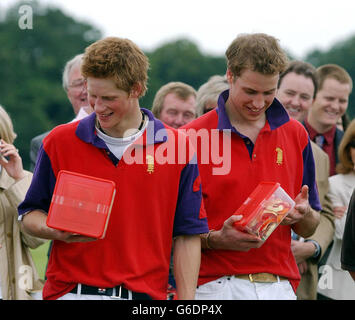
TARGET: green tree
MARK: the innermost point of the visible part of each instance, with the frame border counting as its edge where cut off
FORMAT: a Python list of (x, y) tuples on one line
[(342, 53), (32, 61), (180, 60)]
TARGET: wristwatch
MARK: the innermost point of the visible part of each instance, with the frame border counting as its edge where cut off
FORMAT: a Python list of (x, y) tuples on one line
[(316, 254)]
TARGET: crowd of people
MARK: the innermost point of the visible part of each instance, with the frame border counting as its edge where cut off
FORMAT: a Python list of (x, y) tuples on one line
[(171, 233)]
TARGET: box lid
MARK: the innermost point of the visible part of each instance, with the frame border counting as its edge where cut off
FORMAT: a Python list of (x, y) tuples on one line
[(81, 204), (251, 205)]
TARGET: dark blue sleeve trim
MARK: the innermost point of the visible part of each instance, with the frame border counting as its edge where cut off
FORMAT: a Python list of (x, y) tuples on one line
[(309, 177), (187, 220), (40, 192)]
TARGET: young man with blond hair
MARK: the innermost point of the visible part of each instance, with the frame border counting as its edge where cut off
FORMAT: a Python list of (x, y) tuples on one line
[(330, 104), (234, 264), (175, 104), (132, 261)]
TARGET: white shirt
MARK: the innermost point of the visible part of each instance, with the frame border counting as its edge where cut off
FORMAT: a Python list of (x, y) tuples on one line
[(81, 114), (119, 145)]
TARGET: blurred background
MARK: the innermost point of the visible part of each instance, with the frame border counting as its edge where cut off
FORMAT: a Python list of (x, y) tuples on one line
[(32, 60)]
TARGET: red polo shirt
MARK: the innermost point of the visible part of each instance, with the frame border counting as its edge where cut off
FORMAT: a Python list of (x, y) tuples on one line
[(249, 164), (155, 201)]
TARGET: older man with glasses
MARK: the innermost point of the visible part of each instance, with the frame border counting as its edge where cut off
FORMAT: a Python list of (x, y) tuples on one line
[(74, 86)]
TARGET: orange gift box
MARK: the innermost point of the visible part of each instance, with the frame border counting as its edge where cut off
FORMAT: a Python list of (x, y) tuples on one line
[(264, 210), (81, 204)]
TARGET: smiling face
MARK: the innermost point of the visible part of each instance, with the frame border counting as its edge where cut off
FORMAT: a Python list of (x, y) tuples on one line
[(296, 95), (177, 112), (115, 109), (329, 105), (250, 95)]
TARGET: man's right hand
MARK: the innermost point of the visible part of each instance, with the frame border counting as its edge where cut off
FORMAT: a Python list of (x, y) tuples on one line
[(229, 238), (34, 223), (69, 237)]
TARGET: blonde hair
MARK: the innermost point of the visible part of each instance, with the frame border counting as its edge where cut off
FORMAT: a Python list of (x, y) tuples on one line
[(76, 61), (209, 92), (345, 164), (117, 58), (257, 52), (7, 132), (182, 90)]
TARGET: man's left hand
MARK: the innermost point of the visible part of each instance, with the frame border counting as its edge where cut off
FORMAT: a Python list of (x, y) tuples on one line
[(301, 209)]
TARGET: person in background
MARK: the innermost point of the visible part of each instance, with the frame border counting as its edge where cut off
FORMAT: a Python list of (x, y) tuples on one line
[(348, 245), (175, 104), (265, 145), (132, 261), (297, 88), (74, 86), (208, 93), (341, 187), (18, 275), (330, 104)]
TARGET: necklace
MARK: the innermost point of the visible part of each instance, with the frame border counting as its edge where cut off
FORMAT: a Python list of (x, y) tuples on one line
[(142, 122)]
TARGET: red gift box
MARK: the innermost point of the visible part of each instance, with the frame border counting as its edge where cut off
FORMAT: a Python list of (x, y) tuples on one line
[(81, 204), (264, 210)]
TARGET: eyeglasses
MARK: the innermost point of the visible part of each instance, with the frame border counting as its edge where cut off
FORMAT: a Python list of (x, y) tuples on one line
[(77, 83)]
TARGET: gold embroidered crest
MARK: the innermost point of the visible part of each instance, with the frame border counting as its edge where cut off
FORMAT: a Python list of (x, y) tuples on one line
[(150, 163), (279, 156)]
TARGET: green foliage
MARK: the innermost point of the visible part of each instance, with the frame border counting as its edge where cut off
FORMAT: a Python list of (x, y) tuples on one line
[(32, 61), (180, 60)]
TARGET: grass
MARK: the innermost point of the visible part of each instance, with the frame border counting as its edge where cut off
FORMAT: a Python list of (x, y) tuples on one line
[(40, 258)]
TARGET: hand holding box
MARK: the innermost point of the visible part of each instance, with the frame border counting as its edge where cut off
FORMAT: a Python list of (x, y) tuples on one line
[(264, 210), (81, 204)]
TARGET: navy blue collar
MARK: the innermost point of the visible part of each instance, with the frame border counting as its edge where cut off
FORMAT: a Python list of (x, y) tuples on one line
[(154, 133), (276, 115)]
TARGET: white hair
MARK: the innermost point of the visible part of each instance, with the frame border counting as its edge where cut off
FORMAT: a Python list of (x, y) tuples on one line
[(68, 66)]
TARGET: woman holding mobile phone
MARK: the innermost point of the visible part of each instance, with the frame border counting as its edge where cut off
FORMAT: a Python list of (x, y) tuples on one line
[(18, 276)]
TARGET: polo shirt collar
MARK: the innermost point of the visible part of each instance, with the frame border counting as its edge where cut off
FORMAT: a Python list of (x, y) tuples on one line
[(154, 133), (328, 135), (276, 115)]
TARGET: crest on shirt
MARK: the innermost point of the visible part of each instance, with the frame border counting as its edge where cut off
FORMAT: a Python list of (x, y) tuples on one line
[(279, 156), (150, 163)]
